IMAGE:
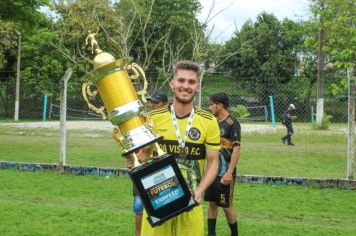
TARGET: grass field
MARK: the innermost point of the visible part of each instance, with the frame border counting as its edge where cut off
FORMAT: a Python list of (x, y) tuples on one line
[(317, 154), (46, 203)]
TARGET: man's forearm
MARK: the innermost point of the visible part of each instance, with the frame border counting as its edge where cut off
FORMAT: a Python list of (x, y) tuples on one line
[(235, 156), (210, 173)]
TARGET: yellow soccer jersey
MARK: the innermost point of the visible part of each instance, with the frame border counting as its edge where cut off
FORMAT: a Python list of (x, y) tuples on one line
[(204, 134)]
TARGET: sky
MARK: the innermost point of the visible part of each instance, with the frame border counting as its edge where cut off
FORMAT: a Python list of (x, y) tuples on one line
[(234, 13)]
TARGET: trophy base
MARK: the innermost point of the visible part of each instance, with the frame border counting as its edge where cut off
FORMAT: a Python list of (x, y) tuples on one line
[(162, 189), (136, 148)]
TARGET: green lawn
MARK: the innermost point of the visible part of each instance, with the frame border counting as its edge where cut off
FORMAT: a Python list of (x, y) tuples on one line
[(317, 154), (47, 203)]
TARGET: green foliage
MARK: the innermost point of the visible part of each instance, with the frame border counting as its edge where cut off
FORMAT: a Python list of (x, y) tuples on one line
[(325, 122), (24, 13), (77, 18), (163, 32), (41, 69), (340, 18), (268, 55), (340, 87), (240, 111), (8, 46)]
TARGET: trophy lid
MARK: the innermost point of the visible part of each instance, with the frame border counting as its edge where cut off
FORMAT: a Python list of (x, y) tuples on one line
[(102, 58)]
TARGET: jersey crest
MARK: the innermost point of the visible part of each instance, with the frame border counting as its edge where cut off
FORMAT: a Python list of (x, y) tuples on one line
[(194, 134)]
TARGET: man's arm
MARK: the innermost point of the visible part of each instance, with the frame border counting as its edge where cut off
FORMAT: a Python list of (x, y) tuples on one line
[(291, 117), (212, 157), (235, 156)]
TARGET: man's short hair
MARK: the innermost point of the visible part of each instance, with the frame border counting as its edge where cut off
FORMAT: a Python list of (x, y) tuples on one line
[(187, 65), (222, 98)]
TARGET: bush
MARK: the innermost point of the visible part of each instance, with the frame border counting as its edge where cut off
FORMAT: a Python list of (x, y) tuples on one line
[(325, 122), (240, 111)]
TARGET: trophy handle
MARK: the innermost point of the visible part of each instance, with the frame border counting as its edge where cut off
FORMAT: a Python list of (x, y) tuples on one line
[(119, 138), (156, 150), (92, 93), (137, 74)]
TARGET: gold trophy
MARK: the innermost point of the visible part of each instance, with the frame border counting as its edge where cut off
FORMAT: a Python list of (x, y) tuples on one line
[(160, 183), (121, 101)]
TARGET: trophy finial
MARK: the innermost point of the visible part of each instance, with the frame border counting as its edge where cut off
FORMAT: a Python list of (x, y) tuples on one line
[(101, 58), (91, 39)]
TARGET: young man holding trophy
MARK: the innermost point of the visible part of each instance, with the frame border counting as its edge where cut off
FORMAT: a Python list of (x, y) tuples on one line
[(191, 135), (172, 184)]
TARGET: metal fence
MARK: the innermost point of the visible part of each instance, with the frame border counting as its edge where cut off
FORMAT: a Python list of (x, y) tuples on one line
[(258, 99)]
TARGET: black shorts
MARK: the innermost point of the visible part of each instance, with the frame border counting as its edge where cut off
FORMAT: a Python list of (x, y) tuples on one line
[(219, 193)]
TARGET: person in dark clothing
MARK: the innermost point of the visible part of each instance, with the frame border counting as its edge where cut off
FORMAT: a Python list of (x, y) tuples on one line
[(287, 120), (220, 193), (158, 99)]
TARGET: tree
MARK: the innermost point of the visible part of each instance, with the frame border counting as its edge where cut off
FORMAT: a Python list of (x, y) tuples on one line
[(161, 32), (8, 45), (271, 57), (76, 19), (16, 16), (41, 69), (24, 13), (340, 19)]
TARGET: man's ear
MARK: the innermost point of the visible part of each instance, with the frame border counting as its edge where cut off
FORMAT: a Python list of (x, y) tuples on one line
[(198, 88)]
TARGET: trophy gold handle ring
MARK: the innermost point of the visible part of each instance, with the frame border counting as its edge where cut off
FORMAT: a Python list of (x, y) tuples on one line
[(119, 138), (86, 91), (138, 73)]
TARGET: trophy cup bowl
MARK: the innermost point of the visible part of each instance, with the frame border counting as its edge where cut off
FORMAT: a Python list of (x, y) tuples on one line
[(121, 102)]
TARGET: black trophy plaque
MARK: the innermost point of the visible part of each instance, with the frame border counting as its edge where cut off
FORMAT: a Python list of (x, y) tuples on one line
[(162, 189)]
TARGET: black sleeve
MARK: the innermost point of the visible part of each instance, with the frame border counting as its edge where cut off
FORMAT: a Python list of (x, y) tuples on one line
[(235, 133)]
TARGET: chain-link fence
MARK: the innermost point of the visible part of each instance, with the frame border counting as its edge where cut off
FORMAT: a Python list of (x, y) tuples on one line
[(256, 97)]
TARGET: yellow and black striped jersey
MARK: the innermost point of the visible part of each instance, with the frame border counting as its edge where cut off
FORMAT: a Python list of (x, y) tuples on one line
[(230, 134), (204, 134)]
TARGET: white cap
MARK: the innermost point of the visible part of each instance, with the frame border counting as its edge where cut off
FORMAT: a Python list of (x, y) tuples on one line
[(292, 106)]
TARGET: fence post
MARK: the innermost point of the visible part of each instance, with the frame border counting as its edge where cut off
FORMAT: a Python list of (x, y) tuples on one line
[(272, 111), (312, 117), (266, 113), (17, 93), (351, 123), (202, 71), (63, 115), (44, 114)]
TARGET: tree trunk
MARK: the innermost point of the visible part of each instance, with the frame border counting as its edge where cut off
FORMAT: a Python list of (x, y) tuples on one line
[(320, 98)]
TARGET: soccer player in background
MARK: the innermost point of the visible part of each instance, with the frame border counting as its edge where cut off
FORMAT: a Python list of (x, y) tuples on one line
[(220, 193)]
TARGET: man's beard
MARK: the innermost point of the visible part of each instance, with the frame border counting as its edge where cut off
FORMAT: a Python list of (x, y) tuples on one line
[(184, 101)]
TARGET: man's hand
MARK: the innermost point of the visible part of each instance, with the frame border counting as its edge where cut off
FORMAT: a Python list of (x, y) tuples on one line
[(144, 154), (198, 196), (128, 162), (227, 178)]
